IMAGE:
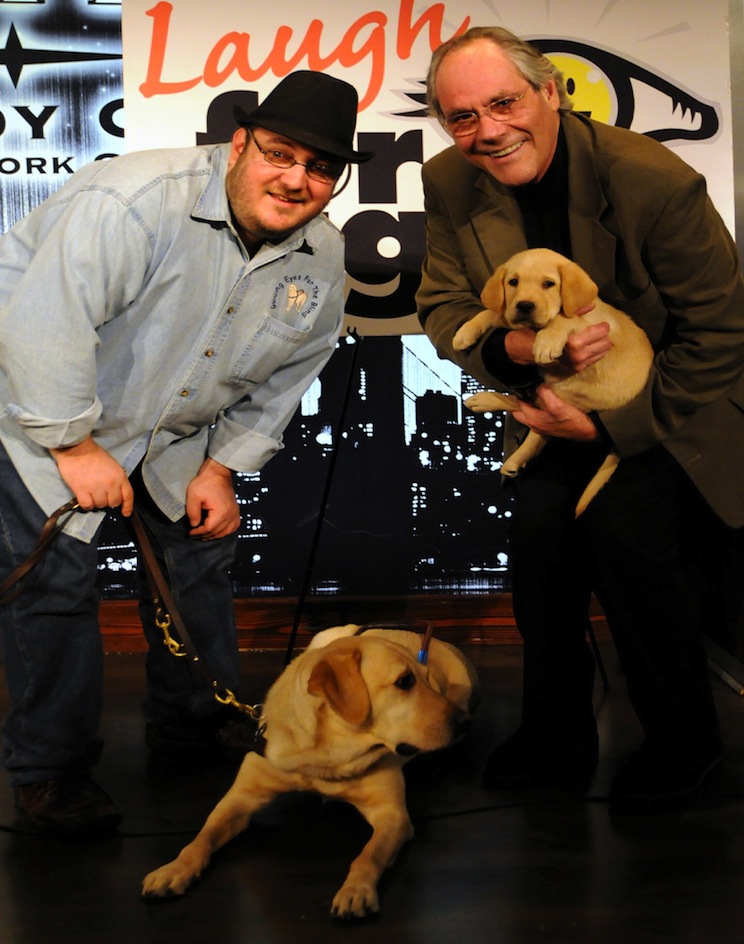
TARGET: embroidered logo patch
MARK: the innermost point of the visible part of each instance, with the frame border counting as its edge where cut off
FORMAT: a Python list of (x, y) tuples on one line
[(296, 293)]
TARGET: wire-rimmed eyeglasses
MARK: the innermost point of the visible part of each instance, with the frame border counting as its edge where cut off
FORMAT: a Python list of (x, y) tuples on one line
[(327, 172), (466, 122)]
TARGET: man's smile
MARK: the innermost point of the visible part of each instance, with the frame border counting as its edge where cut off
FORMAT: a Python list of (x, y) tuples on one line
[(504, 152), (284, 198)]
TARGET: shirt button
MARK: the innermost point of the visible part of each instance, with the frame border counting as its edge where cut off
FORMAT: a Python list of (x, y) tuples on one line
[(209, 353), (185, 393), (231, 309)]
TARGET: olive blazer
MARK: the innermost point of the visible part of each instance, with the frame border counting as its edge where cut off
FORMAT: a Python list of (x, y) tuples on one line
[(643, 227)]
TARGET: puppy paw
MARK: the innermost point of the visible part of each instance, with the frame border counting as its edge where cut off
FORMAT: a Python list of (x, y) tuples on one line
[(355, 900), (166, 882), (546, 350), (486, 401), (466, 337), (511, 469)]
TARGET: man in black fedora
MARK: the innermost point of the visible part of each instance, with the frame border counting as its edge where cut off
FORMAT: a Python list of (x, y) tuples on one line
[(187, 298)]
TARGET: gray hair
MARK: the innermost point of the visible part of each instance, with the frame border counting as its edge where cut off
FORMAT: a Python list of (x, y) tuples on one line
[(536, 68)]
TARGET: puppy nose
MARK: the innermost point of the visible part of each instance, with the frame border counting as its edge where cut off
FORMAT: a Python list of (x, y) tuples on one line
[(525, 310)]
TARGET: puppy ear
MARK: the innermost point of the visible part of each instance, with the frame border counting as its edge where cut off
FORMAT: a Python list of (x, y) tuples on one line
[(337, 678), (577, 289), (493, 295)]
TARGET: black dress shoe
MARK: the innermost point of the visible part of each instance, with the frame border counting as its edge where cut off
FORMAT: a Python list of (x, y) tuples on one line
[(531, 759), (68, 806), (656, 779), (221, 737)]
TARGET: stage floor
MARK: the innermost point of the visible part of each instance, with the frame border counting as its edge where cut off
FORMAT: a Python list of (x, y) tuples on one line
[(496, 867)]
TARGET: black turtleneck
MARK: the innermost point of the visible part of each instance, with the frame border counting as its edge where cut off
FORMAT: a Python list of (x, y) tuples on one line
[(544, 205)]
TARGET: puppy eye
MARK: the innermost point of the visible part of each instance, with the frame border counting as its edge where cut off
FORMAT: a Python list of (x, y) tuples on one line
[(548, 283), (406, 682), (513, 281)]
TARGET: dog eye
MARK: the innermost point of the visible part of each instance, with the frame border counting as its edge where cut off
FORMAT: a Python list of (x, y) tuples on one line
[(513, 281), (406, 682), (548, 283)]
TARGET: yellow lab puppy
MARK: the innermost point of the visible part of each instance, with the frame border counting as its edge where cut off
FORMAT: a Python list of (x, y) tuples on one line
[(543, 290), (341, 720)]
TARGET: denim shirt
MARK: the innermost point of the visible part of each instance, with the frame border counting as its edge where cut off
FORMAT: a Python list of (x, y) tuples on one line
[(130, 309)]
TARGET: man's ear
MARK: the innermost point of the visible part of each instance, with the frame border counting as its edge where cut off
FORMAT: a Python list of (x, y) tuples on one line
[(493, 295), (239, 144), (577, 289)]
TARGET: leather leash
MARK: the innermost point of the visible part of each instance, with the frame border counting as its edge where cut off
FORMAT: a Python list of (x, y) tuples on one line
[(168, 618), (54, 524)]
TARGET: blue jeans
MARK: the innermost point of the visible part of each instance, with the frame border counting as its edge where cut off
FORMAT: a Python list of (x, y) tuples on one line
[(51, 643)]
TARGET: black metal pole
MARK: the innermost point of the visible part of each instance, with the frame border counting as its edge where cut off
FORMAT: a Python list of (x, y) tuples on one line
[(324, 500)]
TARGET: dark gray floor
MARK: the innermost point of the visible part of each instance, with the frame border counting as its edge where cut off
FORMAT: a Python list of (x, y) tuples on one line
[(484, 867)]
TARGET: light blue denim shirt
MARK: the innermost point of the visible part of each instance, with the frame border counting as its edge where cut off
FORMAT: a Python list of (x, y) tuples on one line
[(130, 309)]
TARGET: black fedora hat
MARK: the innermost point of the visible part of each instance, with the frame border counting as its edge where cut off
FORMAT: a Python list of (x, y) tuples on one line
[(312, 108)]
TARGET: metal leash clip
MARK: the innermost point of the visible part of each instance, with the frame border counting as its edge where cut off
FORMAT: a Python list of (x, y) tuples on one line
[(227, 697), (163, 622)]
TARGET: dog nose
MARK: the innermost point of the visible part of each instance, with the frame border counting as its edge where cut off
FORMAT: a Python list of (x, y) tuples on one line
[(524, 310)]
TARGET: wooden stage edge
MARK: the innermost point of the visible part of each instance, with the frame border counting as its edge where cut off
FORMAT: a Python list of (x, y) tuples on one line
[(267, 622)]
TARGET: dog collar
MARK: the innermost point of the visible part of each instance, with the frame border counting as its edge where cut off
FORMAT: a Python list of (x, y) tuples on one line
[(426, 627)]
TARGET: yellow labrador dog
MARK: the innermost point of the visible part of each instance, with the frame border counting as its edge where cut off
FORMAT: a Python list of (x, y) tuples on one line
[(341, 720), (543, 290)]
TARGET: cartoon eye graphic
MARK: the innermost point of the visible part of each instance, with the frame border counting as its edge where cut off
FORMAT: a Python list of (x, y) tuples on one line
[(616, 91)]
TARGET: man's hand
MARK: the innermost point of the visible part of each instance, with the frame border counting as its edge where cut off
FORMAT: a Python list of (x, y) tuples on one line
[(211, 506), (552, 417), (95, 478), (586, 347), (582, 349)]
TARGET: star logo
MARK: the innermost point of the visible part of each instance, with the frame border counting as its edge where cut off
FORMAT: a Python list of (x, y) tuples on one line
[(14, 57)]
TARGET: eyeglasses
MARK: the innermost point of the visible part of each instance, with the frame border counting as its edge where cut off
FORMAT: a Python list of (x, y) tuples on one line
[(466, 122), (317, 169)]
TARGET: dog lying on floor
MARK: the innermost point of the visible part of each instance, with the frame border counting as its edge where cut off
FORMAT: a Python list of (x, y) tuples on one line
[(342, 719), (543, 290)]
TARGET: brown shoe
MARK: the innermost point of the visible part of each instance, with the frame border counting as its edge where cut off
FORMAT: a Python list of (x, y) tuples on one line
[(69, 806)]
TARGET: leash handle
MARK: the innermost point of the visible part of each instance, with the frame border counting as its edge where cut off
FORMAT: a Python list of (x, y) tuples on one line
[(12, 586)]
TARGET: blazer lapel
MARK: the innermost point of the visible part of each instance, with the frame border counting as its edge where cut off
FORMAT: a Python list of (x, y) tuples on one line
[(497, 223), (592, 246)]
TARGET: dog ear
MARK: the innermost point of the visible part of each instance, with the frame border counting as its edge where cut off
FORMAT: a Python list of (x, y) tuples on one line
[(338, 679), (577, 289), (493, 295)]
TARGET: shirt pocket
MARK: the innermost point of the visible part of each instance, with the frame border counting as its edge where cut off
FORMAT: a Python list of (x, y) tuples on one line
[(273, 344)]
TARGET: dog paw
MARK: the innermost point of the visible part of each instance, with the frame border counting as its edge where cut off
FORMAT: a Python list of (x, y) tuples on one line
[(466, 337), (486, 402), (355, 901), (510, 469), (166, 882), (546, 351)]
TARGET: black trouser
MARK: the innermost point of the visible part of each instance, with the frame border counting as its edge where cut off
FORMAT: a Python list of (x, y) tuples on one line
[(643, 546)]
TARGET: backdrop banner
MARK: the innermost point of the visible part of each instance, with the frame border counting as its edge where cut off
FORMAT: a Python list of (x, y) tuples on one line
[(629, 62), (416, 504)]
